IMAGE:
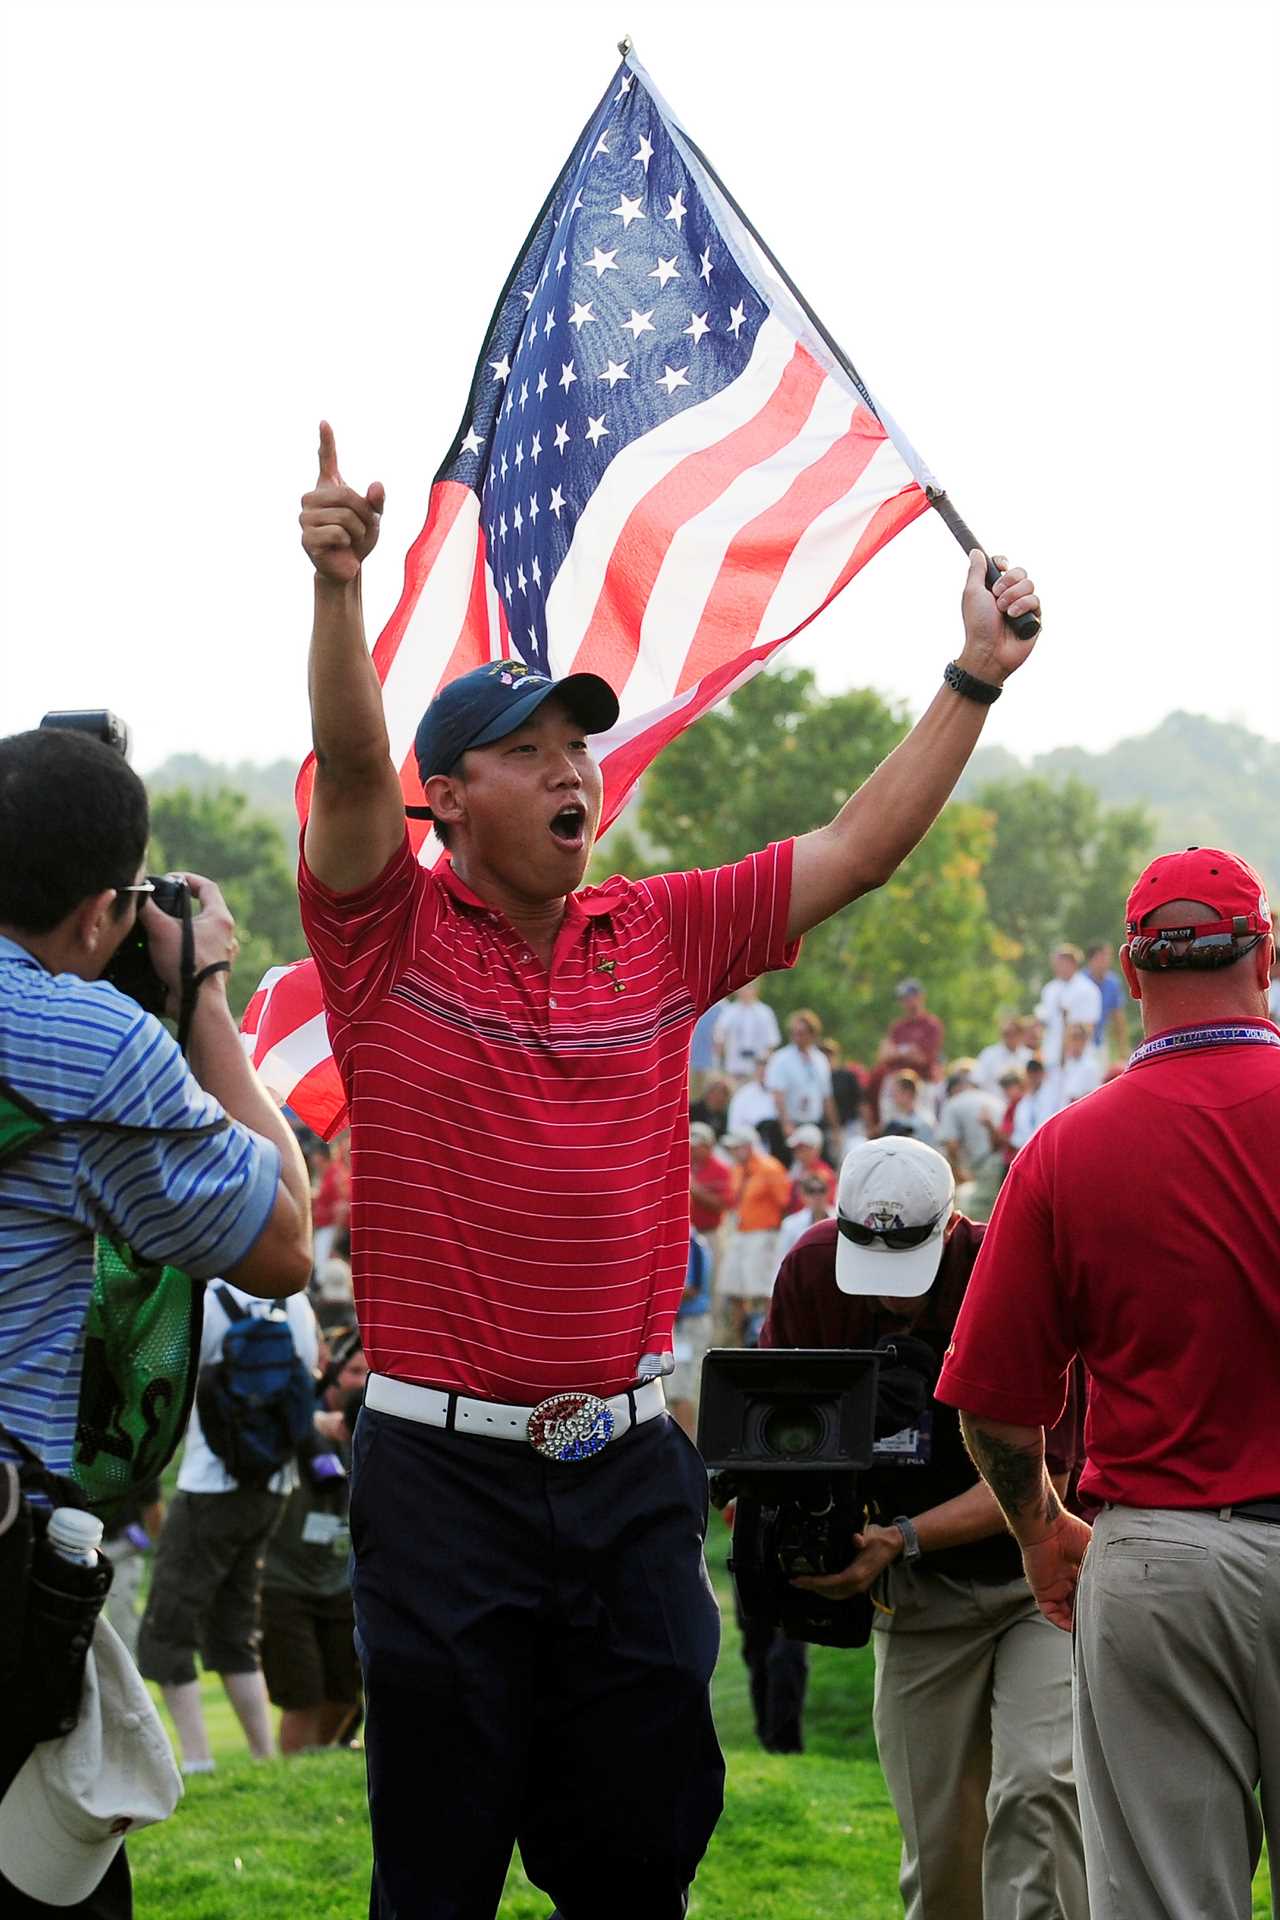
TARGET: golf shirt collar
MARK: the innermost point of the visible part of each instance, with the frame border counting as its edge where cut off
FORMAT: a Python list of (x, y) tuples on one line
[(10, 950), (596, 904)]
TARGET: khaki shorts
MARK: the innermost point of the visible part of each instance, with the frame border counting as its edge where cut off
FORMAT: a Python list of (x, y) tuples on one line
[(750, 1263)]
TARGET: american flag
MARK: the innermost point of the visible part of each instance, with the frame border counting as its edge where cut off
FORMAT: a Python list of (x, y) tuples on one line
[(665, 470)]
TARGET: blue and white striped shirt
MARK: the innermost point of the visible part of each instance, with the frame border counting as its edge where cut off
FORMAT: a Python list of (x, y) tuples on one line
[(78, 1048)]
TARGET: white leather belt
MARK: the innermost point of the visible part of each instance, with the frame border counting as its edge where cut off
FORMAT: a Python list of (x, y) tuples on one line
[(566, 1426)]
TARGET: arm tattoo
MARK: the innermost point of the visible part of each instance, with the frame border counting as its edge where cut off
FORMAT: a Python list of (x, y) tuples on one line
[(1015, 1476)]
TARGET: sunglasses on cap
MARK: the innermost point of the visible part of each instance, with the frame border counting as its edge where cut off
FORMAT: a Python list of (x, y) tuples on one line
[(896, 1239)]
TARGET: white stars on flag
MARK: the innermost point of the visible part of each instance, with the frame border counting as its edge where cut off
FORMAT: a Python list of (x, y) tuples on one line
[(562, 436), (604, 262), (705, 267), (501, 368), (639, 323), (672, 377), (596, 430), (582, 315), (736, 317), (698, 325), (615, 371), (677, 209), (556, 502), (567, 376), (628, 210), (665, 270), (644, 152), (471, 441)]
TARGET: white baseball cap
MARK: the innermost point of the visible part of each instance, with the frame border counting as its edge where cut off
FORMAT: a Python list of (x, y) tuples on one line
[(805, 1135), (902, 1189), (70, 1806)]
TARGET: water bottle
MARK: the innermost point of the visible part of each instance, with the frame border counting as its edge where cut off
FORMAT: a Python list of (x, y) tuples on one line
[(75, 1536), (70, 1580)]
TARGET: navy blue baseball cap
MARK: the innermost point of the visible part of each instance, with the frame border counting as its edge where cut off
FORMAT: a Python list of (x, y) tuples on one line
[(492, 701)]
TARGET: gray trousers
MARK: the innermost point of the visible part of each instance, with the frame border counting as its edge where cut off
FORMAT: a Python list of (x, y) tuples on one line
[(1178, 1712), (973, 1724)]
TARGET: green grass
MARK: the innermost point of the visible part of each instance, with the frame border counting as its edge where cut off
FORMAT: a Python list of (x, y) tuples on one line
[(803, 1837)]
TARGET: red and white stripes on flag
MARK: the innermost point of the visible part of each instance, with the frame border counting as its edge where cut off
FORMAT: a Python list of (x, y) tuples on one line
[(698, 548)]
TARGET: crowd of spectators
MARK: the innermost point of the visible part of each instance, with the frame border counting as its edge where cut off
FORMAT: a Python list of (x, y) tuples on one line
[(772, 1116)]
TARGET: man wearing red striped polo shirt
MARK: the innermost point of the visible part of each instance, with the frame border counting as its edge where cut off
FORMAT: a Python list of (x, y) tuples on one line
[(1139, 1228), (533, 1616)]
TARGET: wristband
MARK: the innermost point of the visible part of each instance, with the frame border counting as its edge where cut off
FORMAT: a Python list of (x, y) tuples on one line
[(968, 686), (911, 1548)]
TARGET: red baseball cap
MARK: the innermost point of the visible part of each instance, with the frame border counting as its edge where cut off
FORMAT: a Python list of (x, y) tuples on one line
[(1223, 881)]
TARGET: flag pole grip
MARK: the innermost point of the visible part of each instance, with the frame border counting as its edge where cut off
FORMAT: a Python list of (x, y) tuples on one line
[(1027, 625)]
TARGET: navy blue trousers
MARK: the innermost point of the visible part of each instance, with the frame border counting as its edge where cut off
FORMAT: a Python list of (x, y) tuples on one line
[(537, 1642)]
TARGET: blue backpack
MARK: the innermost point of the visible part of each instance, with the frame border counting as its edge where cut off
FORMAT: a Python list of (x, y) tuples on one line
[(257, 1401)]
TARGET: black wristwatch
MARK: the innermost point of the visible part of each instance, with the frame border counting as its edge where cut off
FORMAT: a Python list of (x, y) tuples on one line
[(968, 686)]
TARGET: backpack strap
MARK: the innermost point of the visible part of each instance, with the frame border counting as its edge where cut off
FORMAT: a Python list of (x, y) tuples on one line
[(230, 1305), (59, 1491), (23, 1124)]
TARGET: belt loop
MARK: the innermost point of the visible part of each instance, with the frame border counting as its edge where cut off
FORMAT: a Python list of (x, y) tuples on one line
[(451, 1413), (631, 1402), (1224, 1513)]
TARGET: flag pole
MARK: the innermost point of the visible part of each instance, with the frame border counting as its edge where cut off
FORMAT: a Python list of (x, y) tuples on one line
[(1027, 625)]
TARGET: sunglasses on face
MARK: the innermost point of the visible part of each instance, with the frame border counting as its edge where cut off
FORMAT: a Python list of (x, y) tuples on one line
[(896, 1239)]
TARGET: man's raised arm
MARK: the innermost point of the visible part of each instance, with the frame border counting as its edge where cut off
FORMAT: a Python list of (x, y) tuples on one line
[(357, 809), (891, 812)]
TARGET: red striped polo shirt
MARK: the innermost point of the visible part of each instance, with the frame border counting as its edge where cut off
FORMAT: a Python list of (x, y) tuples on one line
[(520, 1140)]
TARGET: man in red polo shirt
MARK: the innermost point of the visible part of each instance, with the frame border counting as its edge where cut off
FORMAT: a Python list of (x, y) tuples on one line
[(1139, 1228), (534, 1621)]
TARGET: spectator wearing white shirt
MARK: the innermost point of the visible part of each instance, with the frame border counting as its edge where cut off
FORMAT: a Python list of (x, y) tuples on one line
[(754, 1107), (746, 1032), (817, 1199), (1080, 1071), (1036, 1105), (1070, 995), (1009, 1054), (799, 1077), (969, 1134)]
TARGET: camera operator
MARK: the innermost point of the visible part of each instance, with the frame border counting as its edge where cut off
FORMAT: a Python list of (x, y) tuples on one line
[(211, 1198), (972, 1690)]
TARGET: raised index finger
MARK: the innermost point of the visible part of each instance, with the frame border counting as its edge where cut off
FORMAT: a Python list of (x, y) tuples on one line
[(329, 475)]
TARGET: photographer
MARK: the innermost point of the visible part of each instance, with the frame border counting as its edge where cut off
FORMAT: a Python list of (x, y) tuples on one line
[(973, 1691), (207, 1196)]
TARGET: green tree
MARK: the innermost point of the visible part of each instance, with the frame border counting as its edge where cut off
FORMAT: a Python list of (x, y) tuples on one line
[(779, 759), (1061, 867), (218, 834)]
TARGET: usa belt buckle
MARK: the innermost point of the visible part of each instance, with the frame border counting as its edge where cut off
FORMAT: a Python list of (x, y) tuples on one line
[(570, 1426)]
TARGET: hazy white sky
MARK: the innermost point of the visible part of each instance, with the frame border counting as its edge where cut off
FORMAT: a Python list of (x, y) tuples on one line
[(1045, 232)]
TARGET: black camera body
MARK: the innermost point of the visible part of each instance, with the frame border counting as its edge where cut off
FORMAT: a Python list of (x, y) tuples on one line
[(786, 1432), (131, 970)]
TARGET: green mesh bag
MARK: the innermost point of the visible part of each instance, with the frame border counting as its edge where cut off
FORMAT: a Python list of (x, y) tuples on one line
[(142, 1336), (141, 1356)]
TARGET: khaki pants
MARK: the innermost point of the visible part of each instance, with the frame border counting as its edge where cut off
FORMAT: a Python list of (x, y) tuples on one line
[(1178, 1712), (973, 1724)]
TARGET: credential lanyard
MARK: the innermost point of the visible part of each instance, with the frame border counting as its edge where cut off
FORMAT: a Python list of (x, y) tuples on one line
[(1190, 1039)]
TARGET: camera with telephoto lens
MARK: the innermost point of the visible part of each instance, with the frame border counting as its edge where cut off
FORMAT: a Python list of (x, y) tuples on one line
[(786, 1433)]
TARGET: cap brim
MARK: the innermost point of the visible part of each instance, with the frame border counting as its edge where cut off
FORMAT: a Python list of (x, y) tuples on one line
[(901, 1273), (591, 700), (40, 1858)]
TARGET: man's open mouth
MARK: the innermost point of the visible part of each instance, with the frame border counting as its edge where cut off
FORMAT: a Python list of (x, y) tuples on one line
[(569, 824)]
